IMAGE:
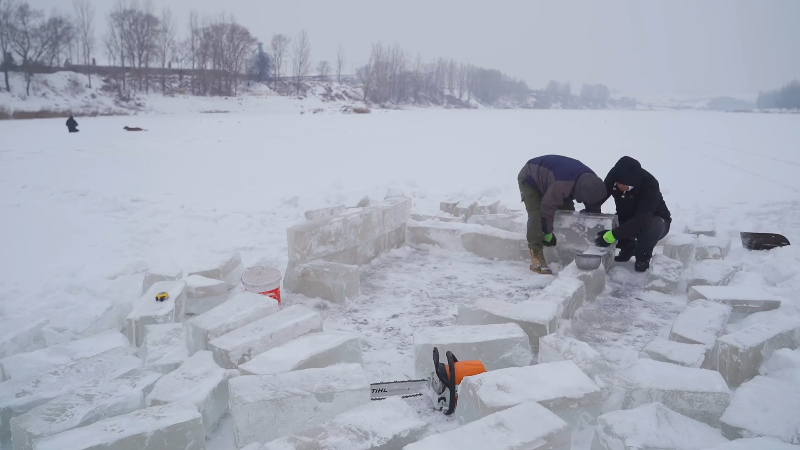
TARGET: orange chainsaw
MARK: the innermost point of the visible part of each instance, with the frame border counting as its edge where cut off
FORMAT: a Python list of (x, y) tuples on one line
[(441, 385)]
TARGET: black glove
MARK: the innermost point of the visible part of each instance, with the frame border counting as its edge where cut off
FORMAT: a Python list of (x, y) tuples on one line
[(552, 242), (600, 241)]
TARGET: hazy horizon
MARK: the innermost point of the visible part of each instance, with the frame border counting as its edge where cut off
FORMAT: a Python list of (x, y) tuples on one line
[(658, 47)]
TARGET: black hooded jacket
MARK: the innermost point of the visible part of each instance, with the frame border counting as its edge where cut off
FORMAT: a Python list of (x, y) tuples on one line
[(71, 123), (636, 207)]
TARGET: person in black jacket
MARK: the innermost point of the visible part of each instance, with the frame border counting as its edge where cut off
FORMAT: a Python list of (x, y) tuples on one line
[(72, 125), (643, 215)]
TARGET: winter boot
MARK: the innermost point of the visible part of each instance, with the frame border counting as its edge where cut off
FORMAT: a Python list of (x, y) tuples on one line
[(626, 252), (538, 263), (642, 266)]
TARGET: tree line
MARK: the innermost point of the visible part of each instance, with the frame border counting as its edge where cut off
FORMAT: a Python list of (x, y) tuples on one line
[(787, 97)]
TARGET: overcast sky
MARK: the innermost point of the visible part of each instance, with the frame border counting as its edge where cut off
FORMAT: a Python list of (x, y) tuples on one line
[(639, 47)]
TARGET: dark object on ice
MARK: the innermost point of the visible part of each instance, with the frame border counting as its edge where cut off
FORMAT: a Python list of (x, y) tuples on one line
[(763, 241), (162, 296), (641, 266), (133, 129), (72, 125)]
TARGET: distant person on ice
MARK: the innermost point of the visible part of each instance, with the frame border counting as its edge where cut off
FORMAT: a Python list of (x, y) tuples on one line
[(72, 125), (643, 214), (547, 184)]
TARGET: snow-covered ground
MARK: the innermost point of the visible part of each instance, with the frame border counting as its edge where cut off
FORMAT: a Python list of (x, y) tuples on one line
[(84, 216)]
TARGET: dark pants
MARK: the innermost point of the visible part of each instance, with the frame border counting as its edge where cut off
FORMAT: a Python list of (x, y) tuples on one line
[(73, 130), (642, 246), (533, 205)]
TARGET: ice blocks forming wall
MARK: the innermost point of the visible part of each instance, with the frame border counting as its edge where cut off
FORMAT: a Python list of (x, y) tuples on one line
[(326, 280), (764, 407), (151, 278), (148, 311), (528, 426), (203, 294), (664, 275), (681, 247), (229, 269), (20, 395), (536, 318), (497, 245), (697, 393), (496, 346), (200, 381), (242, 345), (555, 347), (234, 314), (558, 386), (686, 355), (312, 351), (653, 427), (388, 424), (23, 364), (325, 213), (266, 407), (96, 400), (26, 338), (171, 426), (165, 347), (744, 299), (740, 354)]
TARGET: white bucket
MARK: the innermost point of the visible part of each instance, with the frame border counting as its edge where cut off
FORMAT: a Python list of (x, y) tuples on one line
[(264, 281)]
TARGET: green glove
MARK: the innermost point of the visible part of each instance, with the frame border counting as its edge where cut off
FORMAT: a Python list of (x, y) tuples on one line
[(609, 237), (548, 237), (549, 240), (604, 238)]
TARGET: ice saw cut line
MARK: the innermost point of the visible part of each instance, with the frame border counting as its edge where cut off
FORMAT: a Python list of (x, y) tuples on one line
[(441, 385)]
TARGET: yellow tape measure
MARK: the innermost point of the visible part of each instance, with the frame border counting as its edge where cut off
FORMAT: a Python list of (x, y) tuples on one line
[(161, 296)]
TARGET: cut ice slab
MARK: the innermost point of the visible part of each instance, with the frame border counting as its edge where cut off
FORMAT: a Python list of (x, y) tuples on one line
[(578, 230), (712, 248), (528, 426), (686, 355), (681, 247), (228, 269), (23, 364), (325, 213), (664, 275), (266, 407), (759, 443), (653, 427), (744, 299), (237, 312), (26, 338), (702, 322), (496, 346), (148, 311), (242, 345), (171, 426), (497, 245), (697, 393), (536, 318), (764, 407), (165, 347), (701, 230), (558, 386), (595, 280), (388, 424), (204, 294), (200, 381), (312, 351), (153, 277), (20, 395), (513, 222), (784, 365), (97, 400), (568, 294), (711, 272), (555, 347), (330, 281)]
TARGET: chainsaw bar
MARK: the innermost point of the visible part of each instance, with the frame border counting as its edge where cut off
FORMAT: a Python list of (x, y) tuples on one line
[(404, 389)]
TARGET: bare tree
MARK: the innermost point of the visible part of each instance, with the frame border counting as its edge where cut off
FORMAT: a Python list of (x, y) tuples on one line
[(340, 61), (301, 58), (418, 74), (279, 45), (28, 39), (324, 70), (60, 32), (7, 13), (165, 44), (84, 24)]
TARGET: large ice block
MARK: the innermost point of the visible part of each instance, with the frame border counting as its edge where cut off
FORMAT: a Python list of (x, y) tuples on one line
[(153, 277), (711, 272), (653, 427), (312, 351), (497, 346), (559, 257), (228, 269), (330, 281), (396, 212), (702, 322), (446, 235), (784, 364), (20, 395), (595, 280), (23, 364), (26, 338), (513, 222), (266, 407), (664, 275), (165, 347), (320, 238), (243, 344), (558, 386), (697, 393), (388, 424), (568, 294), (681, 247), (556, 347), (96, 400), (234, 314), (528, 426), (686, 355), (171, 426), (325, 213), (764, 407), (536, 318), (148, 311), (744, 299), (204, 294), (578, 231), (759, 443), (740, 354), (712, 248), (497, 245), (200, 381)]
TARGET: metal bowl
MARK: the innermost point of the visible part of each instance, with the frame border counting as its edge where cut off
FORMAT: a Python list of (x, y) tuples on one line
[(588, 261)]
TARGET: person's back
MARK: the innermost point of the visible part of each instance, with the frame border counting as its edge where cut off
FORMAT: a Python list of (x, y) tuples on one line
[(72, 125)]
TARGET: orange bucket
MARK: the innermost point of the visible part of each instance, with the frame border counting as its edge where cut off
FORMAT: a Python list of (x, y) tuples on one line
[(265, 281)]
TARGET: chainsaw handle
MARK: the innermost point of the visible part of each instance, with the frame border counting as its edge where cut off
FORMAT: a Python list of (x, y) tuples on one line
[(451, 383)]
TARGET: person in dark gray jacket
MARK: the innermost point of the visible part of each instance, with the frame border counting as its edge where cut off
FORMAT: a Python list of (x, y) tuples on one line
[(549, 183)]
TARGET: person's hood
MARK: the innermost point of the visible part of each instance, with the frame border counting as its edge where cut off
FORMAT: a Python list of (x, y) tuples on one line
[(590, 190), (628, 171)]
